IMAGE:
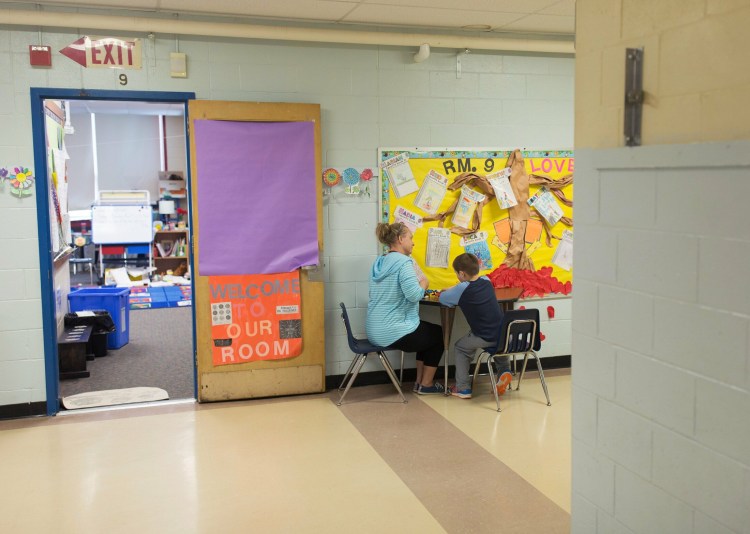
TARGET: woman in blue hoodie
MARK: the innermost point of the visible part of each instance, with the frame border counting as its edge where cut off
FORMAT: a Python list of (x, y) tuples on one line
[(393, 310)]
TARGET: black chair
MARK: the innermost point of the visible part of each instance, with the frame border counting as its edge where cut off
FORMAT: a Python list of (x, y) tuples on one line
[(519, 334), (361, 349)]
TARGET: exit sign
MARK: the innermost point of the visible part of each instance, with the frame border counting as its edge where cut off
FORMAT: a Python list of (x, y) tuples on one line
[(107, 52)]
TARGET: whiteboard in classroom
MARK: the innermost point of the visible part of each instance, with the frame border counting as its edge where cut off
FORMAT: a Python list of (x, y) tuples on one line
[(112, 225)]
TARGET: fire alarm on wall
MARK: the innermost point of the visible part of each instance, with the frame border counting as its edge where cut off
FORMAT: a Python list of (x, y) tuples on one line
[(40, 55)]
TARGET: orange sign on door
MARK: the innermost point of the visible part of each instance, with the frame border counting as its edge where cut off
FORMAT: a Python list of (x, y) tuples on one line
[(255, 317)]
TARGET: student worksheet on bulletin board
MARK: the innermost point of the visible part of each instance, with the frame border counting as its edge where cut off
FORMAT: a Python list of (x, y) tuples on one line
[(511, 208)]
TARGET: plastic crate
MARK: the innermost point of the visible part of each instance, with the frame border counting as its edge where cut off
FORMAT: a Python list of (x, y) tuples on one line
[(147, 298), (178, 297), (112, 299)]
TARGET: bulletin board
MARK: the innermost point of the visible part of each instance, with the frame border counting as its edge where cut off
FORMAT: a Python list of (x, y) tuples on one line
[(548, 246), (58, 181), (113, 225)]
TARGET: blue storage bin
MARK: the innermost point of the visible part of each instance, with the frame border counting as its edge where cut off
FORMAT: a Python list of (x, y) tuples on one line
[(112, 299)]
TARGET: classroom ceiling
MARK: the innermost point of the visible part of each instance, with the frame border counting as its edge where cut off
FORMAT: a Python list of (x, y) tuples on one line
[(555, 18), (551, 19)]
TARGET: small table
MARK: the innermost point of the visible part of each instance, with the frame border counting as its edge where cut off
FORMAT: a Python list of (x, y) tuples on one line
[(506, 296)]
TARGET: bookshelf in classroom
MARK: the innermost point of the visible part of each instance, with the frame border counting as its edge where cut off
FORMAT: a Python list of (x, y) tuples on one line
[(171, 251)]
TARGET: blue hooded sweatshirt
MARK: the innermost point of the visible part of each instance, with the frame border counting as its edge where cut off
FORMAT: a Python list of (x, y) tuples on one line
[(393, 310)]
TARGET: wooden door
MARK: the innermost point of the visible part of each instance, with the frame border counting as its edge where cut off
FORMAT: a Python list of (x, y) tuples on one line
[(304, 373)]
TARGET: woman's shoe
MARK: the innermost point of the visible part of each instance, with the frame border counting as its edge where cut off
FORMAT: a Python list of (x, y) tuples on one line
[(434, 389)]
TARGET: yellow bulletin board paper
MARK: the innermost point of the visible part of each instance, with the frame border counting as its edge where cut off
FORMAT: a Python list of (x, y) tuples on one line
[(451, 163)]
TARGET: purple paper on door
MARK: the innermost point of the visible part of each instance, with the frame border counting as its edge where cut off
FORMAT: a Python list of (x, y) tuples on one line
[(256, 193)]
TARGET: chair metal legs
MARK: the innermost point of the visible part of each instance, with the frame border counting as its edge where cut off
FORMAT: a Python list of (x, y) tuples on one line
[(482, 355), (493, 379), (357, 363), (392, 375), (401, 373), (349, 371), (541, 374), (356, 366), (493, 382)]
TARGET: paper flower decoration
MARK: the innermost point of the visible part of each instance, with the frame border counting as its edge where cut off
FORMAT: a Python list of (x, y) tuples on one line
[(351, 179), (366, 176), (21, 181), (351, 176), (331, 177)]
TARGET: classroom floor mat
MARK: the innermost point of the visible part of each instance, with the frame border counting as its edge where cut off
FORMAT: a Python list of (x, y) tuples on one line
[(112, 397)]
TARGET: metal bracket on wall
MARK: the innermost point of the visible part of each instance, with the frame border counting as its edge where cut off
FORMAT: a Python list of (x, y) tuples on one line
[(633, 95), (315, 273)]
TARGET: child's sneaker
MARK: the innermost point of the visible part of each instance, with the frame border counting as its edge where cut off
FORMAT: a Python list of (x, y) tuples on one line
[(460, 393), (503, 382), (415, 389), (434, 389)]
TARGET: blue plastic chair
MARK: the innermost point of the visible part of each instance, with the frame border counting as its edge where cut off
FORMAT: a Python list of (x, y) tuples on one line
[(362, 348), (519, 335)]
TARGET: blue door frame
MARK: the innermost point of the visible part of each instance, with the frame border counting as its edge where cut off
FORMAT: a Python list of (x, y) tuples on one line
[(46, 271)]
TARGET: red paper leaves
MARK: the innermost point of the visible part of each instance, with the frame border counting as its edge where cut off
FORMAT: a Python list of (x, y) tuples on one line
[(534, 283)]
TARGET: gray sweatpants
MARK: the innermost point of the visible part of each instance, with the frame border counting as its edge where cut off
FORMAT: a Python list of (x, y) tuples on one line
[(466, 348)]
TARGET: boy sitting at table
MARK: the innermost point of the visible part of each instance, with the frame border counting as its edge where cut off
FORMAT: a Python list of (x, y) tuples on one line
[(475, 295)]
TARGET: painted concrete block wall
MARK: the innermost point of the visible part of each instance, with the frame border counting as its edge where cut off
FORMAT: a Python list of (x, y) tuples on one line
[(693, 75), (369, 97), (176, 143), (661, 341)]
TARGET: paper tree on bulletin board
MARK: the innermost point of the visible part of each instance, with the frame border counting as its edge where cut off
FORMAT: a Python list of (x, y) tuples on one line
[(512, 209)]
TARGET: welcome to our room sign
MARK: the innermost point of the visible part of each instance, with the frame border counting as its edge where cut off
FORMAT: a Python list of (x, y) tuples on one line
[(255, 317)]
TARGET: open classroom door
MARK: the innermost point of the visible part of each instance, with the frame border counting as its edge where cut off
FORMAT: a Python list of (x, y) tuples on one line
[(259, 370)]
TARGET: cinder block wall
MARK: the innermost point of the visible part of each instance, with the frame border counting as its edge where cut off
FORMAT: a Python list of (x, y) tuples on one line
[(661, 315), (369, 96)]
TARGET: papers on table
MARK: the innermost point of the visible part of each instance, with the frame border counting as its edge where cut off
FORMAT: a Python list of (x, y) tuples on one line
[(399, 175), (418, 271), (121, 278), (438, 247)]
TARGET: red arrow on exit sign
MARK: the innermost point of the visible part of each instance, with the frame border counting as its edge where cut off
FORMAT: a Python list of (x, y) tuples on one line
[(107, 52)]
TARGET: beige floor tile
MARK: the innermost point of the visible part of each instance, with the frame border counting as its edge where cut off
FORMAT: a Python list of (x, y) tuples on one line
[(296, 466), (531, 438)]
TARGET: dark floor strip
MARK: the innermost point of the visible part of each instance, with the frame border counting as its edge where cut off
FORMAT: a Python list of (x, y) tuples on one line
[(461, 484)]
